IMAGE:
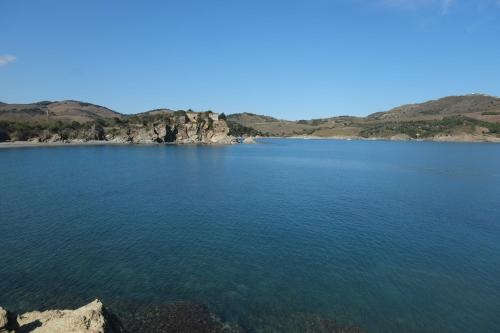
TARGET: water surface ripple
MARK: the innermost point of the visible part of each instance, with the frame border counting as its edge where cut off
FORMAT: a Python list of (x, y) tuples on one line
[(391, 236)]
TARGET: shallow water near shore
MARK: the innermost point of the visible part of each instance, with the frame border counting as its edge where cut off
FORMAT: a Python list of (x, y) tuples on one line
[(389, 236)]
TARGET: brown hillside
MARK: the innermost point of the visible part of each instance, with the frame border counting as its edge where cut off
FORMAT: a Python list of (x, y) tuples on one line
[(65, 111)]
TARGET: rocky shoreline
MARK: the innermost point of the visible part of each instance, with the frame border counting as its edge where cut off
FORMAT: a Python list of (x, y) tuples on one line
[(178, 317), (91, 318), (455, 138), (246, 140), (179, 127), (28, 144), (96, 318)]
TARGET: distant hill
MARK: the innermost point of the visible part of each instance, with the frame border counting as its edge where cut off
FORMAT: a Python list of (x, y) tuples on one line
[(476, 106), (65, 111), (471, 117), (247, 118), (266, 124), (157, 112)]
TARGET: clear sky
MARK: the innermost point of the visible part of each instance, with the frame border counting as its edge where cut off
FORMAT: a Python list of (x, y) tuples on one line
[(289, 59)]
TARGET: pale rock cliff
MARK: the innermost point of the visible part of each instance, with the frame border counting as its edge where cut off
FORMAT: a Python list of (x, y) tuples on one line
[(189, 128), (178, 127)]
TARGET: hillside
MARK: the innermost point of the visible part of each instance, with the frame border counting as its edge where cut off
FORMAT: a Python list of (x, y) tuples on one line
[(482, 107), (468, 117), (265, 124), (66, 111), (72, 121)]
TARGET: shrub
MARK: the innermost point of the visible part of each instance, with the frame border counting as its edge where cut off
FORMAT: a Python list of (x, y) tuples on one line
[(75, 125), (4, 135), (240, 130)]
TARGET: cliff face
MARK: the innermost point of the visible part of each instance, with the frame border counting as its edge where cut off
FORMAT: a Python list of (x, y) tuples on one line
[(164, 126), (189, 127)]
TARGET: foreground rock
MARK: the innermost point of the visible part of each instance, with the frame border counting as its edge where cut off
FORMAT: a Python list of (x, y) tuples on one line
[(91, 318), (182, 317), (95, 318), (3, 320)]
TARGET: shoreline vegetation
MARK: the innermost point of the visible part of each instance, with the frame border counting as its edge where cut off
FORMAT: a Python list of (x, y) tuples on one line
[(468, 118)]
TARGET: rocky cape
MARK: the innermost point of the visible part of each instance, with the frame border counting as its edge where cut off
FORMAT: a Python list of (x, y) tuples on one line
[(78, 122)]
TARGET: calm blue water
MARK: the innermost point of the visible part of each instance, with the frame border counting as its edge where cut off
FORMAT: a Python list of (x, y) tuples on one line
[(391, 236)]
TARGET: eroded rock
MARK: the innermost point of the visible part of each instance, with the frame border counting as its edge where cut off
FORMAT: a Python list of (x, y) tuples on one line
[(3, 320), (91, 318)]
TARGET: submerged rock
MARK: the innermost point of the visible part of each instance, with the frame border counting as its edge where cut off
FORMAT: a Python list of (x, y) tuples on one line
[(306, 322), (183, 317), (180, 317)]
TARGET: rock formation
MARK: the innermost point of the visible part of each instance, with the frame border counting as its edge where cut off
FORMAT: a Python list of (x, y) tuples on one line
[(23, 123), (173, 317), (249, 140), (4, 320), (186, 128), (91, 318), (95, 318)]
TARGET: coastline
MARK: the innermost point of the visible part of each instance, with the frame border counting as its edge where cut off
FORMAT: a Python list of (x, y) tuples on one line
[(31, 144), (458, 139), (449, 139), (28, 144)]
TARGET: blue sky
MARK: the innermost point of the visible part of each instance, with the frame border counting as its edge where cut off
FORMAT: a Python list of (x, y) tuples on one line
[(290, 59)]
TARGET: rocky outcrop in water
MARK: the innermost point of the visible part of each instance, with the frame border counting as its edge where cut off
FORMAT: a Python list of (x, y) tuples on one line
[(91, 318), (4, 320), (249, 140), (95, 318)]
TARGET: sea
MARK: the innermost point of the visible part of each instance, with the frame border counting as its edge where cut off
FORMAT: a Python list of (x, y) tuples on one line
[(386, 236)]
